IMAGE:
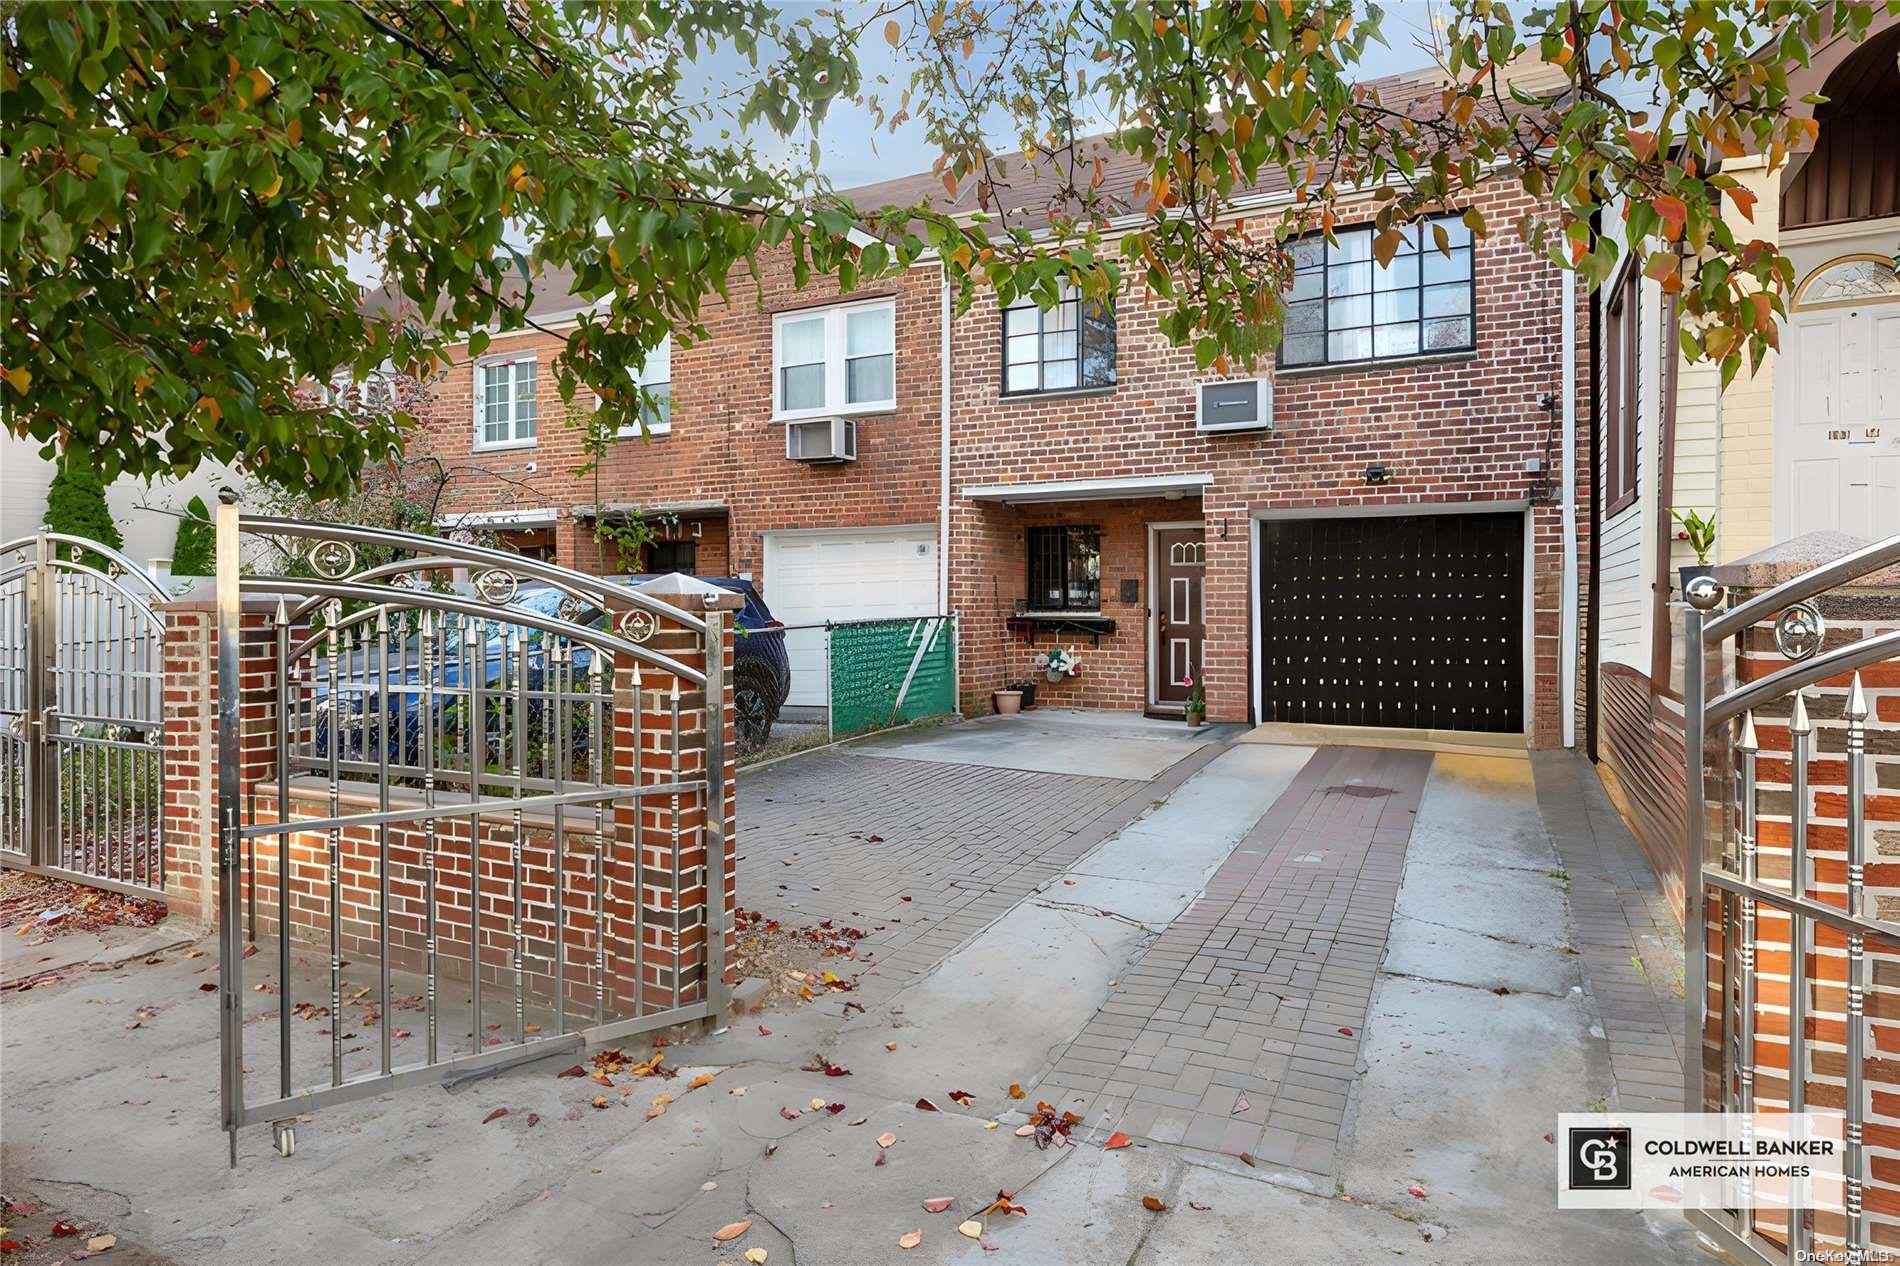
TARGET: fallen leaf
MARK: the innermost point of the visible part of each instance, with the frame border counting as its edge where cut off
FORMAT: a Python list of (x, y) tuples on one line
[(1417, 1190), (764, 1032), (709, 1186), (1246, 1158), (972, 1228), (879, 1162), (834, 1108), (657, 1110), (534, 1118), (1116, 1141), (817, 1104), (962, 1097), (1154, 1204), (1024, 1131), (207, 987), (890, 1046), (788, 1114), (1549, 1139), (1346, 1030), (602, 1102), (924, 1105), (1198, 1206), (1241, 1104), (756, 1256), (886, 1139), (62, 1229), (991, 1125), (937, 1204), (1016, 1091), (100, 1243), (576, 1071), (857, 1121), (910, 1239), (737, 1092), (497, 1113), (704, 1079), (731, 1231)]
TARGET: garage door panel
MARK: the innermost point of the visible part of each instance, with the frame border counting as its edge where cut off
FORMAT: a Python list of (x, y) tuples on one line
[(1409, 621), (882, 573)]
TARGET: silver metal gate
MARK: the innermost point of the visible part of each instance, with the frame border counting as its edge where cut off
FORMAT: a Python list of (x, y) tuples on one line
[(81, 713), (1790, 964), (472, 812)]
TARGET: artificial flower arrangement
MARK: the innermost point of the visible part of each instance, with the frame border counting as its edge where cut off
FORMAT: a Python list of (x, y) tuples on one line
[(1059, 663)]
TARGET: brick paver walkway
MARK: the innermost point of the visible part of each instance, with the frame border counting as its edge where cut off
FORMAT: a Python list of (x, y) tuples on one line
[(932, 852), (1626, 933), (1259, 991)]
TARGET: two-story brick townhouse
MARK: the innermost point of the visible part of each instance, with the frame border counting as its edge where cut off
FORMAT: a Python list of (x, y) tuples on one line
[(1376, 531)]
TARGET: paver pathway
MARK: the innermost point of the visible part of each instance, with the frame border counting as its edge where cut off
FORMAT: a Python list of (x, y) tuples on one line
[(1258, 992)]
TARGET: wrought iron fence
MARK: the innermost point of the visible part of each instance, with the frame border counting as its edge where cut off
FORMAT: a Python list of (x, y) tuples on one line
[(504, 827), (81, 713), (1793, 965)]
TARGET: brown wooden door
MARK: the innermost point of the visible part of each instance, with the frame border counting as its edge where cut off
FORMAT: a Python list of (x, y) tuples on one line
[(1178, 621)]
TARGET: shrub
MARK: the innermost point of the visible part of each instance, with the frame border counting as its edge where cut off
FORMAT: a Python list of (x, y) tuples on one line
[(76, 505), (195, 552)]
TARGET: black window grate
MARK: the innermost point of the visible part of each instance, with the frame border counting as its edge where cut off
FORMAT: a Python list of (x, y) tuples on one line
[(1065, 568)]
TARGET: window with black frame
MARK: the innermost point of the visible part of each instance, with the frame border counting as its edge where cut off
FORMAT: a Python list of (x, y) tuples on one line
[(1070, 347), (1345, 307), (1065, 569)]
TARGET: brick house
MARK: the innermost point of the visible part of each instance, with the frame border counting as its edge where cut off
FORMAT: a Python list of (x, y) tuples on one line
[(1381, 539)]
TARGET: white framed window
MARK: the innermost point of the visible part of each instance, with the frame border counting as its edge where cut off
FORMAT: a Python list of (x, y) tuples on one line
[(657, 377), (504, 403), (835, 360)]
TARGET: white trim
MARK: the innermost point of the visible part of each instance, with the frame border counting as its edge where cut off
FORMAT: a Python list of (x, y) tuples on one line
[(1125, 488), (1568, 599), (478, 392), (639, 377), (1150, 633), (836, 317)]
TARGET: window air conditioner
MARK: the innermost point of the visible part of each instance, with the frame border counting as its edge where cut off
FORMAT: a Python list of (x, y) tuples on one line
[(822, 441), (1244, 404)]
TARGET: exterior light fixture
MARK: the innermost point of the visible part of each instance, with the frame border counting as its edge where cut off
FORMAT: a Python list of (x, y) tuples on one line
[(1375, 473)]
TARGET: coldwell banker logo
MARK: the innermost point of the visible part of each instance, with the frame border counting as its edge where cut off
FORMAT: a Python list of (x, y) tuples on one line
[(1599, 1158)]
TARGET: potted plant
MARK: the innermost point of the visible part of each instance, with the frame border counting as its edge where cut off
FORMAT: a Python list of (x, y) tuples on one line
[(1059, 663), (1027, 687), (1006, 702), (1196, 709), (1700, 533)]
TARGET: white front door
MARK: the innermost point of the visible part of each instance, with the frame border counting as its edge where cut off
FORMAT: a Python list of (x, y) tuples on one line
[(1837, 445), (812, 577)]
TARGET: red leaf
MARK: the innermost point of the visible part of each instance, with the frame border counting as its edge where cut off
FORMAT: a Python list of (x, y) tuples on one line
[(962, 1097), (924, 1105), (207, 987), (788, 1114), (834, 1108), (575, 1071), (1673, 212), (534, 1118), (1417, 1190), (903, 898), (63, 1229), (248, 951), (1116, 1142), (879, 1161), (1343, 1029), (498, 1112), (764, 1032), (1198, 1206)]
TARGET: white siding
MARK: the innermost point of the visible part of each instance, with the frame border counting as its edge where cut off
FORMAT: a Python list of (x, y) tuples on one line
[(139, 509), (1626, 548)]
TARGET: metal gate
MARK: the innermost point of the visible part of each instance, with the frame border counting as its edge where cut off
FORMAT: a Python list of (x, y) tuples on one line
[(1792, 993), (1413, 621), (81, 713), (471, 813)]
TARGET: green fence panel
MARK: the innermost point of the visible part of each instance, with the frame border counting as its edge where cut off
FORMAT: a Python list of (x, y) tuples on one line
[(869, 662)]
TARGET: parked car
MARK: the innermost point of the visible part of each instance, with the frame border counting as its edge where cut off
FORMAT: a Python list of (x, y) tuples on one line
[(761, 680)]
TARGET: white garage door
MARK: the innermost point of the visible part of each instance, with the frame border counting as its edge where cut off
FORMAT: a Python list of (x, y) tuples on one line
[(811, 577)]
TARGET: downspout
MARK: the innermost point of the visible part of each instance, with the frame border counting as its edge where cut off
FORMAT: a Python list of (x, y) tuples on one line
[(1567, 611), (943, 458), (1593, 617), (1661, 644)]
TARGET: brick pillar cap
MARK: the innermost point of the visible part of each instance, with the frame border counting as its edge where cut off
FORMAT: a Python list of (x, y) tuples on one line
[(200, 593), (1764, 569), (690, 593)]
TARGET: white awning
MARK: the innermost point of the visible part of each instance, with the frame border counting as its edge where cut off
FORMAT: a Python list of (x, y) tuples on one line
[(1126, 488), (497, 518)]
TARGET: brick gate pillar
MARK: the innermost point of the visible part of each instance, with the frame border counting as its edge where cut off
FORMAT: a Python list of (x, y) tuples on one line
[(189, 826)]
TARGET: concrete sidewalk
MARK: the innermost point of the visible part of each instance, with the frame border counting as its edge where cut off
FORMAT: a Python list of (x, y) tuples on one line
[(1354, 966)]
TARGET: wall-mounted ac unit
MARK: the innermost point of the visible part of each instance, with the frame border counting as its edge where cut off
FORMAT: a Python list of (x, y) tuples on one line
[(822, 440), (1241, 404)]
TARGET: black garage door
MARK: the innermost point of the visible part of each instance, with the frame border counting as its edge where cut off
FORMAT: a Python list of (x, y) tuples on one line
[(1414, 622)]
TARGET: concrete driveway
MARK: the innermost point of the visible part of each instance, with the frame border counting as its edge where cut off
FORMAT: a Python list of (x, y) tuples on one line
[(1273, 968)]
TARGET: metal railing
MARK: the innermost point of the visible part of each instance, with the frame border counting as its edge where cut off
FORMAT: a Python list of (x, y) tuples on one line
[(1762, 1037), (512, 824)]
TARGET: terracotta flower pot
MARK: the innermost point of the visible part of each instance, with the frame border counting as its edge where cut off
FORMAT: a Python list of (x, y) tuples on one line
[(1196, 717), (1007, 702)]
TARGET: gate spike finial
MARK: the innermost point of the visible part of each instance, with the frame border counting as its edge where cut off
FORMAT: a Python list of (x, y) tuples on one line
[(1856, 701), (382, 619), (283, 612), (1747, 742), (1799, 723)]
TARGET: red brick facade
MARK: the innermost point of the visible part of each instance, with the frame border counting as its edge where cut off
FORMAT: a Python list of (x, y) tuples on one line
[(1453, 431)]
